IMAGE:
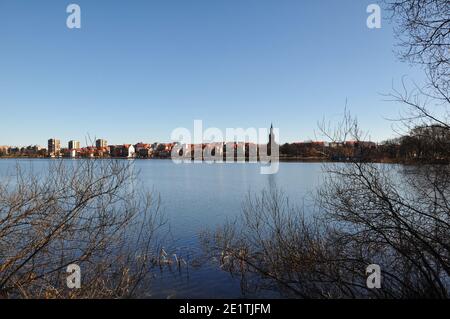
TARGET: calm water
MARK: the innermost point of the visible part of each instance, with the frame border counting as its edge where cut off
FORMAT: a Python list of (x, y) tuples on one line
[(196, 197)]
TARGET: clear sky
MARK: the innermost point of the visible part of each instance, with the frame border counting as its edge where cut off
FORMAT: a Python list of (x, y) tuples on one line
[(136, 70)]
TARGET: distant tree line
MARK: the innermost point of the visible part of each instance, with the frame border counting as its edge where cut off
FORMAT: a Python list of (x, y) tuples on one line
[(430, 143)]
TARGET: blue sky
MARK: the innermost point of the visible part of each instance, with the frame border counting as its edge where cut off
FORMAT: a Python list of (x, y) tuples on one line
[(136, 70)]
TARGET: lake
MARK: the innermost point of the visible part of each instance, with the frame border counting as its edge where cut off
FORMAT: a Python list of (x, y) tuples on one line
[(197, 197)]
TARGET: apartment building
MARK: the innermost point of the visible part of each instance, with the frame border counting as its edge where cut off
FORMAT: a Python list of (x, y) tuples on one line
[(101, 143), (74, 145), (54, 147)]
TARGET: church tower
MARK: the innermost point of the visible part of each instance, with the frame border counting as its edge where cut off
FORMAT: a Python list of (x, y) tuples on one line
[(271, 140)]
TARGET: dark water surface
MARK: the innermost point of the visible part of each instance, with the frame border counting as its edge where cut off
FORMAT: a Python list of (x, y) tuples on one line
[(197, 197)]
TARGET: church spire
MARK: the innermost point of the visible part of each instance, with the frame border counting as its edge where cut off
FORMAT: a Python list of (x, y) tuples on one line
[(271, 140)]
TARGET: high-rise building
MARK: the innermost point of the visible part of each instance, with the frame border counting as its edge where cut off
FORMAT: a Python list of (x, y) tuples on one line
[(54, 147), (73, 145), (101, 143)]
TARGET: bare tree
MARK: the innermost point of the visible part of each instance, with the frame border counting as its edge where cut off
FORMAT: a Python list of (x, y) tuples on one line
[(92, 213), (423, 30), (399, 216), (274, 246), (423, 33)]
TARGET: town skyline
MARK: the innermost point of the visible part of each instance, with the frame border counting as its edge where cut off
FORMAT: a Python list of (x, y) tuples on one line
[(89, 142)]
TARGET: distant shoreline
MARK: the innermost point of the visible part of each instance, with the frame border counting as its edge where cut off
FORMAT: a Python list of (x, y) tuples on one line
[(283, 159)]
